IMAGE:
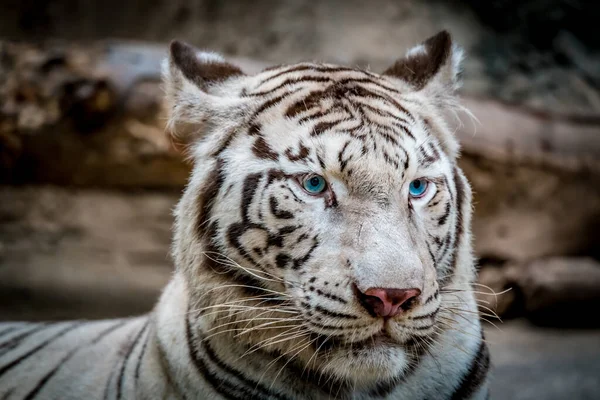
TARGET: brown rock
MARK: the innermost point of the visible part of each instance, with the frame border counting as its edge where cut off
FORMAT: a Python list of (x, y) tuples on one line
[(85, 116), (560, 291), (528, 171), (76, 253)]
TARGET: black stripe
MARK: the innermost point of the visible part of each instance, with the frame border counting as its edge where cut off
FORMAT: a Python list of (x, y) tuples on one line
[(426, 316), (250, 387), (333, 327), (331, 296), (126, 359), (225, 388), (9, 330), (8, 394), (15, 362), (442, 220), (459, 227), (250, 384), (334, 314), (139, 360), (434, 296), (66, 358), (310, 67), (15, 341), (291, 81), (476, 374), (114, 370), (164, 365)]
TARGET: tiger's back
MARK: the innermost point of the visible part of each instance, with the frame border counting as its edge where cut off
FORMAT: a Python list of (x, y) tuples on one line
[(70, 359)]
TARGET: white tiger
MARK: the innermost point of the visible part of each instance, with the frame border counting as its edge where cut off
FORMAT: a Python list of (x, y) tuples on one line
[(322, 248)]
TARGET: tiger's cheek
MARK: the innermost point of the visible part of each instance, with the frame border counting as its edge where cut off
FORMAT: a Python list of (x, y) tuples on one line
[(439, 217)]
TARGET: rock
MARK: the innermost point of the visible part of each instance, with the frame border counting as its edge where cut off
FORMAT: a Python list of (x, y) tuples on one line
[(84, 116), (72, 253), (560, 291), (527, 170)]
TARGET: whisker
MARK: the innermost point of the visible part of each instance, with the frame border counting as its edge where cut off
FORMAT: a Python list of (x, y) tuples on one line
[(270, 342)]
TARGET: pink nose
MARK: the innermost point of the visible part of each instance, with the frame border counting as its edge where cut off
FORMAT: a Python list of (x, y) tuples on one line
[(387, 302)]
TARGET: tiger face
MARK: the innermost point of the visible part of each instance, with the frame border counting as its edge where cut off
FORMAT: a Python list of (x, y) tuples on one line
[(325, 214)]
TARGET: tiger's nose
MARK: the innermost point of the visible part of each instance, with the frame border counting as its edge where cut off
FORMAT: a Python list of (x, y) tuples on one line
[(384, 302)]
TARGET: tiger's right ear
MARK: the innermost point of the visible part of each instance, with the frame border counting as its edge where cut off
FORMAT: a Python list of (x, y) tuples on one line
[(194, 87)]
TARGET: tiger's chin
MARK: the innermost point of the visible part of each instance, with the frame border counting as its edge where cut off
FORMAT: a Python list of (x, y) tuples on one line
[(368, 362)]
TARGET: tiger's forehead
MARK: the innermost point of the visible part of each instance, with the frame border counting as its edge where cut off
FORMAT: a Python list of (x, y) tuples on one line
[(345, 113), (271, 79)]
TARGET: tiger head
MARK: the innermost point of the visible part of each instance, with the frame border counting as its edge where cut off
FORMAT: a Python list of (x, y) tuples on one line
[(325, 214)]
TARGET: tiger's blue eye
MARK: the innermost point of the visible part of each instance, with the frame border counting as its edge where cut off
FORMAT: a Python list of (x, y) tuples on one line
[(418, 187), (314, 184)]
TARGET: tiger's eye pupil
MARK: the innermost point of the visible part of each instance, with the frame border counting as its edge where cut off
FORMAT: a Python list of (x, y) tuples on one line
[(417, 184)]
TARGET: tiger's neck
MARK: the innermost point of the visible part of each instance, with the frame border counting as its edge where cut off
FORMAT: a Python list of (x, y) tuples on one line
[(194, 361)]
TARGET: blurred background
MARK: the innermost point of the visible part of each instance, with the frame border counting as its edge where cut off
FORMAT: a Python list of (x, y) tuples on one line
[(88, 180)]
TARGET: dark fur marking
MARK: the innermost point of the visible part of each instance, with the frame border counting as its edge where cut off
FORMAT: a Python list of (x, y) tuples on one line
[(133, 345), (278, 213), (249, 385), (321, 161), (476, 374), (208, 195), (308, 67), (460, 198), (334, 314), (15, 341), (298, 262), (201, 73), (442, 220), (221, 386), (254, 129), (337, 328), (426, 159), (343, 162), (286, 230), (322, 127), (71, 353), (291, 81), (261, 149), (282, 260), (8, 330), (313, 99), (268, 104), (419, 68), (332, 296), (39, 347), (431, 315), (434, 296), (302, 154)]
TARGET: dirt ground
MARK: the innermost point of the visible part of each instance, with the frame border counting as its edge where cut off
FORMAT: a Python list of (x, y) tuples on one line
[(97, 254)]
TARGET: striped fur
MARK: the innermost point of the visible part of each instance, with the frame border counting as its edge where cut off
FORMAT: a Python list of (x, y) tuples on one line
[(263, 303)]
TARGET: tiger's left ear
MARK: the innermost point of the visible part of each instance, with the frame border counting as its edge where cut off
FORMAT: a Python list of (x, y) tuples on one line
[(432, 67)]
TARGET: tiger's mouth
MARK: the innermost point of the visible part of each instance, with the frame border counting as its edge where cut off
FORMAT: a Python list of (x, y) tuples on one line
[(381, 339)]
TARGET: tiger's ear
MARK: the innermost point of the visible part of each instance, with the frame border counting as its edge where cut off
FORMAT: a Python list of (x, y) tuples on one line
[(195, 90), (433, 66)]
